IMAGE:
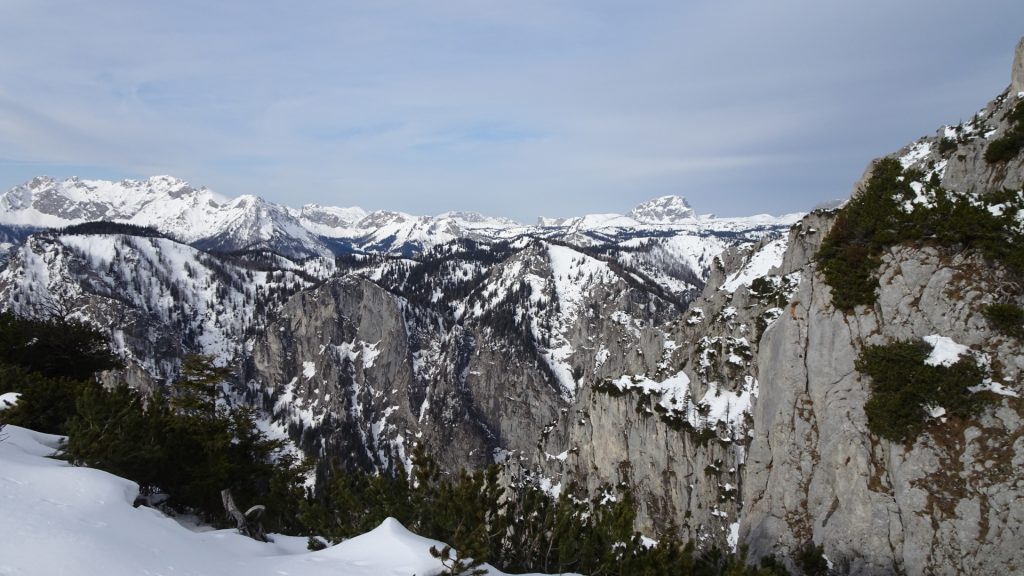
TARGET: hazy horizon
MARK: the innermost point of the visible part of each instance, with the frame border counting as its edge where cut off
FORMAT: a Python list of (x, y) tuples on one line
[(516, 110)]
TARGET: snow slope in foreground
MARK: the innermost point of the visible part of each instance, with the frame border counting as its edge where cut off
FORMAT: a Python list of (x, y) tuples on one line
[(56, 519)]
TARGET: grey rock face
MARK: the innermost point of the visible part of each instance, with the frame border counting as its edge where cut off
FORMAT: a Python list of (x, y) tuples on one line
[(474, 393), (677, 477), (956, 154), (336, 369), (463, 388), (1017, 76), (815, 474), (686, 475)]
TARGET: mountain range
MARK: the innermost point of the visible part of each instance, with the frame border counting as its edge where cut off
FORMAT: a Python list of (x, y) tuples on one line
[(202, 218)]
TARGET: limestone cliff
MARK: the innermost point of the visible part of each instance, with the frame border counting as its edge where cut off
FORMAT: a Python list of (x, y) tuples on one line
[(563, 366), (952, 500), (1017, 76)]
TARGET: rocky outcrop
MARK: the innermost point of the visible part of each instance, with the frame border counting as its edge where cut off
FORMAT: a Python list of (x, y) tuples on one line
[(663, 210), (336, 369), (956, 153), (1017, 75), (948, 502), (679, 477)]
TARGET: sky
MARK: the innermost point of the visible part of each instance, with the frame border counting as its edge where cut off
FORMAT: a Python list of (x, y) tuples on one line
[(517, 109)]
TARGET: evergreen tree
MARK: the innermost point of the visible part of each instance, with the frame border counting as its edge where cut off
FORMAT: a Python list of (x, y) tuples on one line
[(195, 393), (45, 403), (48, 361), (111, 431), (54, 347)]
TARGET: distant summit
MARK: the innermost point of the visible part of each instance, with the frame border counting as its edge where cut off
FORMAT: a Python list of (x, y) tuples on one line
[(663, 210)]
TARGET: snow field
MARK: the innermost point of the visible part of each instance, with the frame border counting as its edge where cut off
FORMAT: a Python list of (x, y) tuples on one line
[(56, 519)]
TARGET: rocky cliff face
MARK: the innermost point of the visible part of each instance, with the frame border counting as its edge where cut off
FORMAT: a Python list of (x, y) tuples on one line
[(335, 369), (565, 367), (1017, 75), (948, 502)]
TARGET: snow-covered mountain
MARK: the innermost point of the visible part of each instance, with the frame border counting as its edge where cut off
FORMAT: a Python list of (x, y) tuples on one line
[(423, 328), (158, 298), (206, 220), (328, 220), (663, 210), (437, 342), (193, 215)]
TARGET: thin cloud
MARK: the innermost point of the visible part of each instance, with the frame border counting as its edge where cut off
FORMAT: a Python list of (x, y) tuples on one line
[(515, 109)]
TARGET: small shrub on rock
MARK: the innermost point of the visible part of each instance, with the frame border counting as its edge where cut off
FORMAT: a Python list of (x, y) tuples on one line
[(1006, 318), (903, 388)]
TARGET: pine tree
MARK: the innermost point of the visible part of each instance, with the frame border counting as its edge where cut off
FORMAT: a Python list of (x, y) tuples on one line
[(54, 347), (196, 391), (111, 431)]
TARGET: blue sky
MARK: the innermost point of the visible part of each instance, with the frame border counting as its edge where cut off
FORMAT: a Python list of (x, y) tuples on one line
[(517, 109)]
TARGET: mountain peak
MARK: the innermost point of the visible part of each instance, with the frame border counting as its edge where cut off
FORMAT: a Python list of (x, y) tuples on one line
[(663, 210)]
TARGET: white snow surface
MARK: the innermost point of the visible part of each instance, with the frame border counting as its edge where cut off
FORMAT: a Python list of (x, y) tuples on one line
[(675, 395), (58, 519), (760, 264), (945, 352), (308, 369), (917, 152), (734, 536), (995, 388), (8, 400)]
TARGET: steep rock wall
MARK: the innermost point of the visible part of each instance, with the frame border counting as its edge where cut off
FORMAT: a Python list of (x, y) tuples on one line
[(946, 504)]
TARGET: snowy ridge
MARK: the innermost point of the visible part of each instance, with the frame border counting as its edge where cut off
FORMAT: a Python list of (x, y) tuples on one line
[(678, 263), (328, 221), (589, 222), (574, 276), (165, 203), (179, 292), (551, 288), (207, 220)]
